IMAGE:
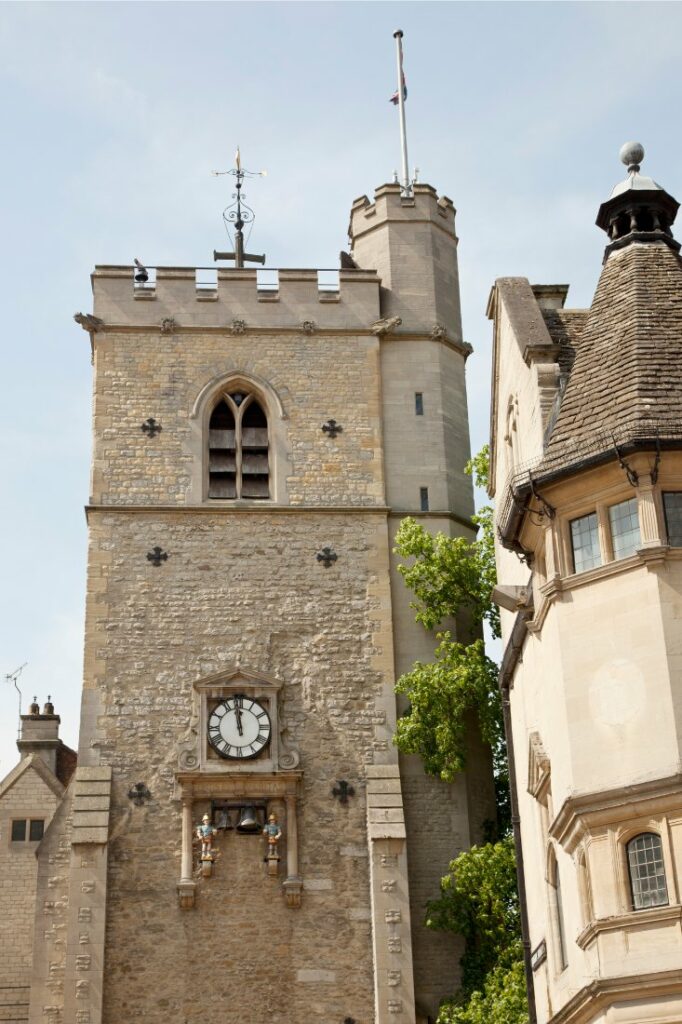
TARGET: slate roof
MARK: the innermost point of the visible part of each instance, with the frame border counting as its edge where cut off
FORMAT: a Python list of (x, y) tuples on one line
[(565, 328), (625, 384)]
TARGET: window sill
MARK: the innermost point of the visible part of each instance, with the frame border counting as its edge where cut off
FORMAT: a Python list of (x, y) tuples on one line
[(633, 920)]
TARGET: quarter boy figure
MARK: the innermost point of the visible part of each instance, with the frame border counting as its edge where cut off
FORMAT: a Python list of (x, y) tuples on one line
[(205, 832), (274, 834)]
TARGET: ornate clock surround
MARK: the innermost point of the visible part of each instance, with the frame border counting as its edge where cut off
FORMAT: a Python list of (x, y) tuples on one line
[(202, 774), (195, 753)]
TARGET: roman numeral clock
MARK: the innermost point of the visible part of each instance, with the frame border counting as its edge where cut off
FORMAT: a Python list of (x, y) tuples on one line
[(233, 760)]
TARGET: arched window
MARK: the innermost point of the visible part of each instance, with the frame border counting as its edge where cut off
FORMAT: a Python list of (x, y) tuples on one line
[(556, 912), (647, 871), (238, 460)]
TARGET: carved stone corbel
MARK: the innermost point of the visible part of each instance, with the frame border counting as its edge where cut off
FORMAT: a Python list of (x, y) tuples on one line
[(386, 326), (308, 326), (238, 326), (168, 325)]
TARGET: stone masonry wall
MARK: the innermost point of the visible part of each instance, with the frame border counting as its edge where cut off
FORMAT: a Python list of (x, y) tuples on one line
[(327, 634), (151, 374), (29, 797)]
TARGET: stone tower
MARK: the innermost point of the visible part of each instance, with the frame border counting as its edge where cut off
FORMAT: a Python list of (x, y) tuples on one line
[(254, 450), (587, 457)]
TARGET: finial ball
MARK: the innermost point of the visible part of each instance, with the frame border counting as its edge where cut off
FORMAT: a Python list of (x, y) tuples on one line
[(632, 154)]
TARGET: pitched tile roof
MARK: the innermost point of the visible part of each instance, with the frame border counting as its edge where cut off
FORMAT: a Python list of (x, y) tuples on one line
[(625, 384)]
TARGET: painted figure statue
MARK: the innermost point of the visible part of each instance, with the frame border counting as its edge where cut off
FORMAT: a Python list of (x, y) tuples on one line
[(205, 832), (274, 834)]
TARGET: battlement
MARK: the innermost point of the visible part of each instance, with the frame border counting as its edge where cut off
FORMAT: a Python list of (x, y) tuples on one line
[(391, 205), (208, 297)]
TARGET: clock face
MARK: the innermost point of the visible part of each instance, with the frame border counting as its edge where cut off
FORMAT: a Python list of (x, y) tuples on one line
[(239, 728)]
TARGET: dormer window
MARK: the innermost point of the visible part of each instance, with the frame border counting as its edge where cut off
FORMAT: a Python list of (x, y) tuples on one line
[(238, 448)]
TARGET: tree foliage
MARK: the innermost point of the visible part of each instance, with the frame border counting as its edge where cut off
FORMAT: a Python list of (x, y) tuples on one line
[(450, 576), (453, 578), (479, 900), (502, 1000), (443, 695)]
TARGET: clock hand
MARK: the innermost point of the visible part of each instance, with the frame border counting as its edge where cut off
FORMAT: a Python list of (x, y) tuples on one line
[(238, 713)]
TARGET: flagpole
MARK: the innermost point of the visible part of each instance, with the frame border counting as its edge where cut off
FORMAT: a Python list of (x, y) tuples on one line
[(398, 36)]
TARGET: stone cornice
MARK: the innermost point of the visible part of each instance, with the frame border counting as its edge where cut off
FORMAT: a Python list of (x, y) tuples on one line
[(632, 921), (590, 810), (590, 1000)]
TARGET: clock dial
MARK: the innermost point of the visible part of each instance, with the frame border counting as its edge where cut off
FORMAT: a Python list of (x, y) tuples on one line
[(239, 728)]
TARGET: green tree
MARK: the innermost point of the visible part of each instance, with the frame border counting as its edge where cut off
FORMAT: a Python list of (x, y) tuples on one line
[(453, 578)]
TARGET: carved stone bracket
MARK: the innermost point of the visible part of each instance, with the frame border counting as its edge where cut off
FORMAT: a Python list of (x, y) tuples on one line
[(238, 326), (293, 887), (386, 326), (308, 326), (168, 325), (186, 894), (88, 322)]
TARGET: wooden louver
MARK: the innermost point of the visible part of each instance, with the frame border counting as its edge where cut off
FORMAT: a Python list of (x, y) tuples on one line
[(238, 465)]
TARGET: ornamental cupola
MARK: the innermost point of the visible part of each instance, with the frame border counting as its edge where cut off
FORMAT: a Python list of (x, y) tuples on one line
[(638, 209)]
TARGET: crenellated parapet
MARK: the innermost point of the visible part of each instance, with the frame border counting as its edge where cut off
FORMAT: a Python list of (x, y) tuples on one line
[(196, 298)]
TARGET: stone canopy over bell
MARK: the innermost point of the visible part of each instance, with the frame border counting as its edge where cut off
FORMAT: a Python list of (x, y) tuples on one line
[(638, 209)]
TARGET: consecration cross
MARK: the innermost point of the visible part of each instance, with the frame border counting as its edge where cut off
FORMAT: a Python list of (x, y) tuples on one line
[(342, 791)]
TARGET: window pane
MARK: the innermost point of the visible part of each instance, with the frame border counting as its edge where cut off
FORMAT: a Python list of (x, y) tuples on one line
[(585, 540), (418, 403), (19, 830), (36, 830), (624, 521), (647, 872), (424, 499), (672, 502)]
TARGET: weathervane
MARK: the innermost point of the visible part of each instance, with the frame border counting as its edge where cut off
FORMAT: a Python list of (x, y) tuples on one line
[(238, 214)]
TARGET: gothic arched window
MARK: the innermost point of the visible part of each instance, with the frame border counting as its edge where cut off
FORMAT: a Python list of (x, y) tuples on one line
[(238, 459), (648, 887)]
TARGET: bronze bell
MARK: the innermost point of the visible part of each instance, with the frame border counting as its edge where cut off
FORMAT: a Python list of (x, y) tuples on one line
[(248, 821)]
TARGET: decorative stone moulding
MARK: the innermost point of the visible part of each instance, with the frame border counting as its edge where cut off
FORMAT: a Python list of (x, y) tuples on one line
[(332, 428), (139, 794), (150, 427), (327, 556), (88, 322), (157, 555), (342, 791), (238, 326), (168, 325), (385, 326)]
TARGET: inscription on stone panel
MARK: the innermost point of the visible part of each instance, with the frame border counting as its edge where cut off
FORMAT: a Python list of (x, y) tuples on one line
[(388, 885), (393, 917), (394, 978), (52, 1014), (84, 938), (83, 1017), (82, 989), (389, 860), (48, 907), (88, 886), (395, 1006), (54, 881), (84, 914), (87, 862), (395, 944), (56, 968), (83, 961)]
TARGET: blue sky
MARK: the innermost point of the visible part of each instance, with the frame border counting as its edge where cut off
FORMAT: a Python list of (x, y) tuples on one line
[(113, 116)]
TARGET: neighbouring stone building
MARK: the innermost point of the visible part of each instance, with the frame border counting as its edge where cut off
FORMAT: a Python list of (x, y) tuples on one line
[(29, 797), (587, 477), (254, 450)]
